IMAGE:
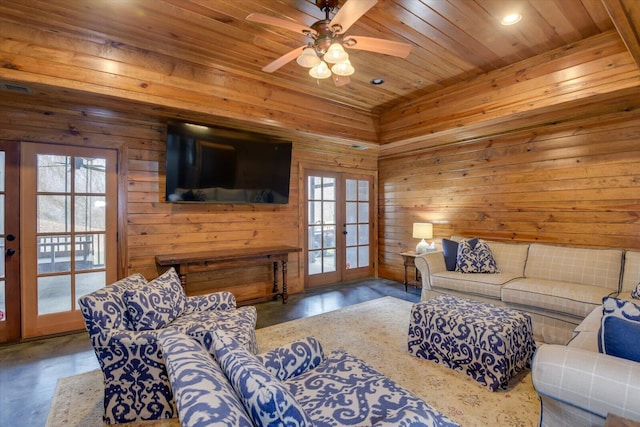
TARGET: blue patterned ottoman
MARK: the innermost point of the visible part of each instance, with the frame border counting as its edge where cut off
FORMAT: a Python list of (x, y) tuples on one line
[(489, 343)]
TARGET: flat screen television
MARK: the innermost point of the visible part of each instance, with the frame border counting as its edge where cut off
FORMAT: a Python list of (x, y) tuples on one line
[(218, 165)]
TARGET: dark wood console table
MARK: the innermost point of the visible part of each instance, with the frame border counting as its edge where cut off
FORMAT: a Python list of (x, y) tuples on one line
[(217, 260)]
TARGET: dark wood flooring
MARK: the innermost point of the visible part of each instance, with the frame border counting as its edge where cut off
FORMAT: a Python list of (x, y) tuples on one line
[(29, 371)]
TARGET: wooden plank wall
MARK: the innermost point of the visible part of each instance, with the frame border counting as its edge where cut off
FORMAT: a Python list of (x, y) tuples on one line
[(154, 226), (575, 185)]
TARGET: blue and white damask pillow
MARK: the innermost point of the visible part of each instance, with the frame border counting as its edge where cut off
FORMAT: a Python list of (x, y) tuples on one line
[(266, 399), (156, 304), (635, 294), (619, 333), (478, 259)]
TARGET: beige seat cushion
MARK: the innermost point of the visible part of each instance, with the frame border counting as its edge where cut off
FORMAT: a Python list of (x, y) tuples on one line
[(484, 284), (562, 297)]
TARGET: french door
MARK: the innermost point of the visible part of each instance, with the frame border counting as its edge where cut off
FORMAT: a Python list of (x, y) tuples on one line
[(9, 242), (68, 203), (339, 234)]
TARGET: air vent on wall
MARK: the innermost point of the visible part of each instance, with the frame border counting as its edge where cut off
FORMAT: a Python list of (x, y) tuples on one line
[(14, 88)]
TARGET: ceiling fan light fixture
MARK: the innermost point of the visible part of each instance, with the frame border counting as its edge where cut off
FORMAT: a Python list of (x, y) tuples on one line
[(343, 68), (320, 71), (308, 58), (336, 54)]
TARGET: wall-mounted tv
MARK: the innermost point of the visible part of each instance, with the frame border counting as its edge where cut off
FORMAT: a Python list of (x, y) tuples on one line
[(219, 165)]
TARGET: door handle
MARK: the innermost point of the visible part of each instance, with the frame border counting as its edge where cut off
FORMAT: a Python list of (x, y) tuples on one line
[(10, 251)]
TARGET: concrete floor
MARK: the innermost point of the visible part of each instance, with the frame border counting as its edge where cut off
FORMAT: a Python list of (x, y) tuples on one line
[(29, 371)]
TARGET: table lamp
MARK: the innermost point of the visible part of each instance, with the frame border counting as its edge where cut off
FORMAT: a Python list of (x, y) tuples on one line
[(422, 230)]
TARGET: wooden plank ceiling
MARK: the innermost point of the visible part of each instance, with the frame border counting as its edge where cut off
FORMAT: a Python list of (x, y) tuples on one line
[(459, 50)]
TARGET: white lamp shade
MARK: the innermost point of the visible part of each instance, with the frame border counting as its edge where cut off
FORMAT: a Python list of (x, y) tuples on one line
[(336, 54), (343, 68), (422, 230), (308, 58), (322, 71)]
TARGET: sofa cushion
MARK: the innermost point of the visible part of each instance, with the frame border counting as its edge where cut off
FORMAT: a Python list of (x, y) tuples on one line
[(475, 259), (344, 390), (239, 323), (561, 297), (293, 359), (595, 267), (450, 251), (631, 274), (231, 195), (488, 285), (156, 304), (203, 394), (619, 333), (265, 398), (510, 257)]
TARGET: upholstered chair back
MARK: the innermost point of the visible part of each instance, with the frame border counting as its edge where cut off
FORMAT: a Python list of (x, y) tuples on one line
[(106, 308)]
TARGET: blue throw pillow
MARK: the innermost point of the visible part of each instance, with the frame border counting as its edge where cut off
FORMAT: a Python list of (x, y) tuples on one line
[(267, 401), (635, 294), (450, 250), (619, 333)]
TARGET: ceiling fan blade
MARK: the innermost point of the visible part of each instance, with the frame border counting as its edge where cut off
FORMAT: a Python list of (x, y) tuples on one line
[(341, 80), (282, 23), (373, 44), (284, 59), (350, 13)]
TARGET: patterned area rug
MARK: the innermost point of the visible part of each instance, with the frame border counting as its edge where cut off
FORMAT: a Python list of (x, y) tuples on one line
[(375, 331)]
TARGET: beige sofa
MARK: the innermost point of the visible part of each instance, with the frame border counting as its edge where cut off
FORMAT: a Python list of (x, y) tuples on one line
[(557, 285)]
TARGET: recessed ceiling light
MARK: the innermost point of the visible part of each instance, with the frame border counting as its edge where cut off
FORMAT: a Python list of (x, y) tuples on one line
[(512, 18), (377, 81)]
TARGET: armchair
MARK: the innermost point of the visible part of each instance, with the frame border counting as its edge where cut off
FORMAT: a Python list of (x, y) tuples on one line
[(579, 387), (123, 321)]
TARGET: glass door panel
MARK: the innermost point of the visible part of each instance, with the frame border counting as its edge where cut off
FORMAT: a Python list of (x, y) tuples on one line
[(357, 223), (339, 224), (321, 225), (70, 234)]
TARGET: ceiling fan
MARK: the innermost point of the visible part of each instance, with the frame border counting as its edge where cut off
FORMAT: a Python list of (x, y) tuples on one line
[(328, 40), (80, 163)]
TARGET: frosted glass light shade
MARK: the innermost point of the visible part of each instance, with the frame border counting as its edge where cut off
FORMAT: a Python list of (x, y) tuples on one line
[(321, 71), (336, 54), (343, 68), (308, 58)]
